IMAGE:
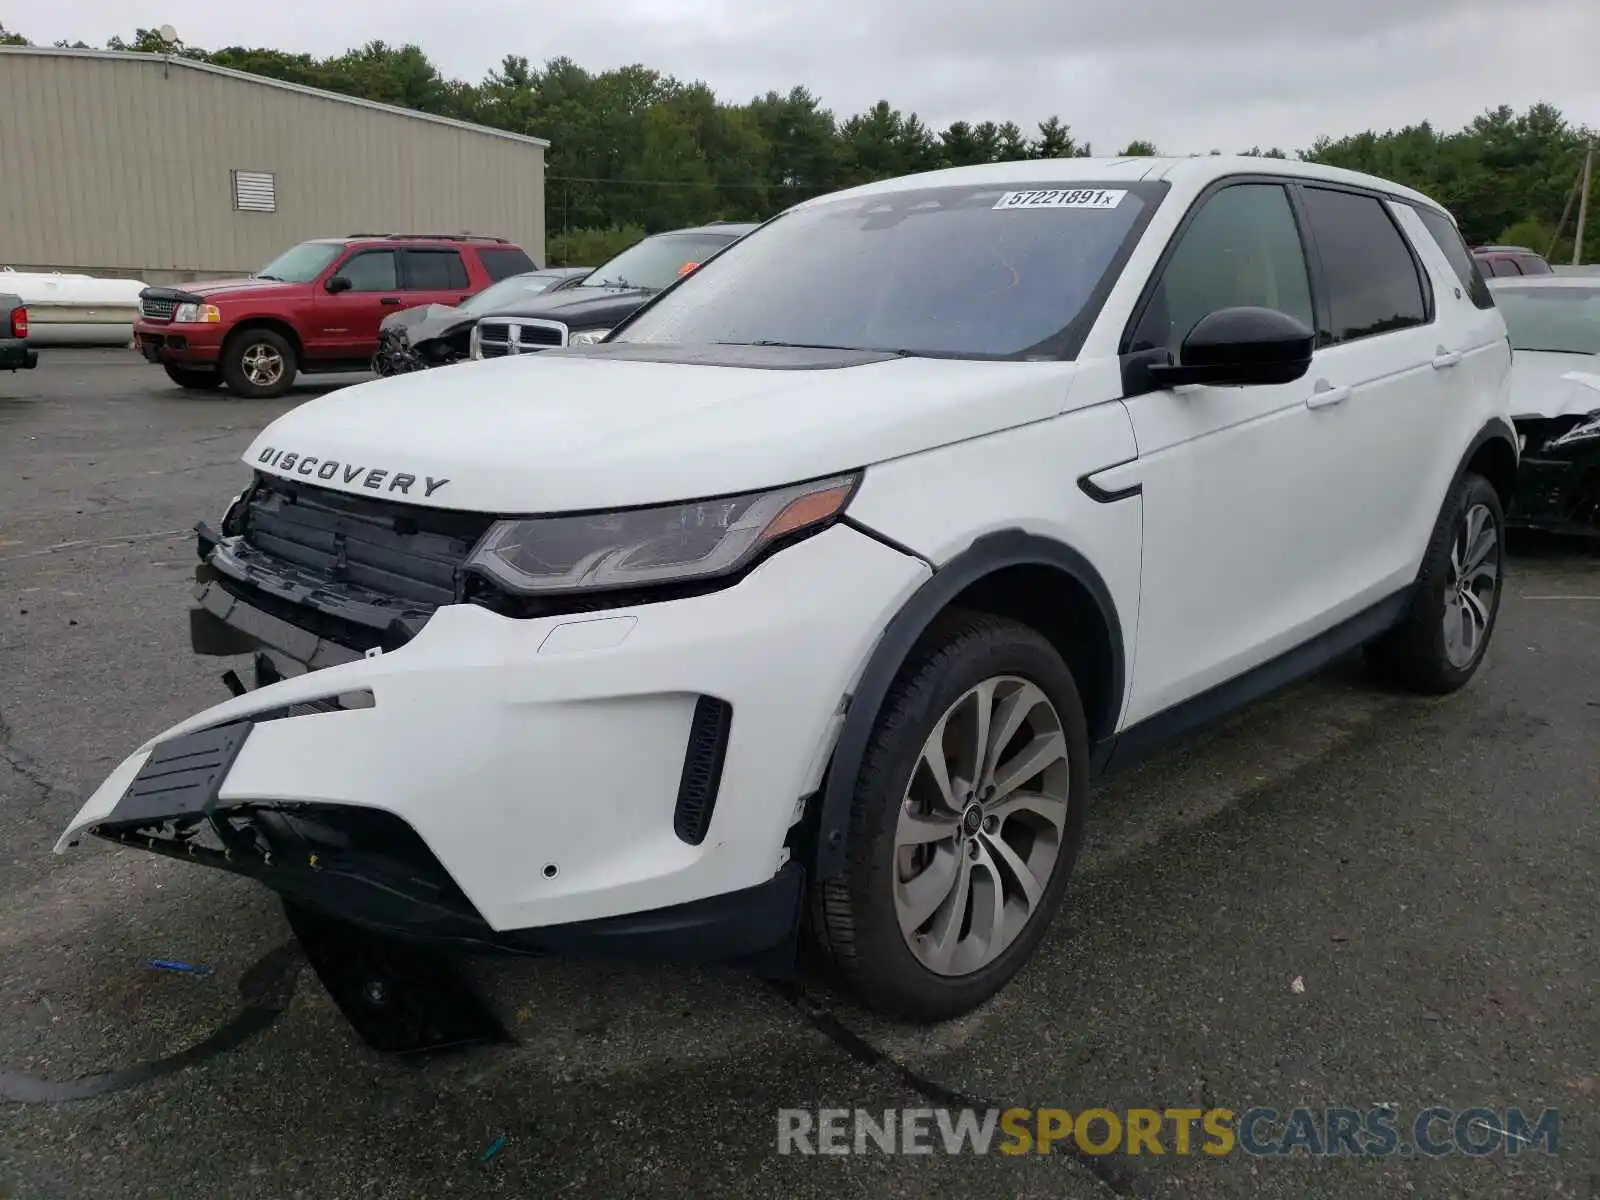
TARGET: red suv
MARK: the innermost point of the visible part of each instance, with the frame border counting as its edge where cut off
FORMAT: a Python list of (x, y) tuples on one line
[(314, 308), (1509, 260)]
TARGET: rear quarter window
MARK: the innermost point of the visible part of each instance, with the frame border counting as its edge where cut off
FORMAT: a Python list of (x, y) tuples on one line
[(1374, 283), (1448, 237), (502, 262)]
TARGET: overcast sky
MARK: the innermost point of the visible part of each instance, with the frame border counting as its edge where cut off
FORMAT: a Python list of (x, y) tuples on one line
[(1224, 74)]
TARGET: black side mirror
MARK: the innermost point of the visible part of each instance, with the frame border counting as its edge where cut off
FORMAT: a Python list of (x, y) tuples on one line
[(1239, 347), (337, 284)]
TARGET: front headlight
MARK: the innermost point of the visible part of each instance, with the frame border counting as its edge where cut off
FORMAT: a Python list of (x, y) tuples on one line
[(196, 314), (587, 337), (1579, 433), (675, 543)]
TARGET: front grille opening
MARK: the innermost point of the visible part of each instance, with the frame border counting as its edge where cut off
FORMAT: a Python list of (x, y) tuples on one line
[(702, 768), (393, 549)]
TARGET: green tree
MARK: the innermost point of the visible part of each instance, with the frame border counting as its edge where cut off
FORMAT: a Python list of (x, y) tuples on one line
[(1139, 149), (1013, 145), (961, 146), (804, 155), (1055, 140), (7, 38)]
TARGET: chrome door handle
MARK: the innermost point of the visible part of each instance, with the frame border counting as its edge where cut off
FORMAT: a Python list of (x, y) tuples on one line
[(1445, 358), (1324, 395)]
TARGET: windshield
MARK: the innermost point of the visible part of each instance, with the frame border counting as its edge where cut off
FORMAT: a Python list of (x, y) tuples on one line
[(508, 291), (971, 272), (302, 263), (657, 261), (1562, 320)]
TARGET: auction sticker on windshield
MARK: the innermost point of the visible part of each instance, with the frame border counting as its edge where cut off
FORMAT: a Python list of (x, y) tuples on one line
[(1062, 198)]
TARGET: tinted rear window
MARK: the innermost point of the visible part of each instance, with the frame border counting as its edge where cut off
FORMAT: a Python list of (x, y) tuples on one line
[(1448, 237), (435, 270), (1531, 264), (502, 262), (1371, 277)]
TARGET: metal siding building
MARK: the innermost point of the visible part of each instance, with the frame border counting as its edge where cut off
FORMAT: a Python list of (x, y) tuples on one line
[(124, 164)]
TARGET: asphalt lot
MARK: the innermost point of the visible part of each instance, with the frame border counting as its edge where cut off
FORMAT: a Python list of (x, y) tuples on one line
[(1430, 870)]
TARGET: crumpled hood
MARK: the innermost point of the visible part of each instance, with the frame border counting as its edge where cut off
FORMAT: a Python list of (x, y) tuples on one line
[(1546, 384), (426, 321), (565, 431)]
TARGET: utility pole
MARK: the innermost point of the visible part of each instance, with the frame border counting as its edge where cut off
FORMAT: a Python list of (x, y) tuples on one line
[(1583, 204)]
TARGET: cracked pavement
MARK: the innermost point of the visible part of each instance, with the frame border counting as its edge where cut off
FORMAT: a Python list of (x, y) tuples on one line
[(1429, 870)]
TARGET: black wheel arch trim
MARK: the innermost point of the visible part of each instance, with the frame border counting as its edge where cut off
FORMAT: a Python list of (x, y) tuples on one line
[(1494, 429), (988, 554)]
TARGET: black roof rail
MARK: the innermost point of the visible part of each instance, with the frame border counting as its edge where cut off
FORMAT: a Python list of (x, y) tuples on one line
[(433, 237)]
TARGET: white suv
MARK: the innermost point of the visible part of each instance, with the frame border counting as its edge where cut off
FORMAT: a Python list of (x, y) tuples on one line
[(816, 596)]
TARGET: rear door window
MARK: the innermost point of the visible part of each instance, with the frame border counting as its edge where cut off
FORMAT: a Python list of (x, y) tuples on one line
[(1373, 280), (435, 270), (1444, 232)]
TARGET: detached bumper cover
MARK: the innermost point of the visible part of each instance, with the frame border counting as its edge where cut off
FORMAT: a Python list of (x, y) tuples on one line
[(524, 774), (367, 867)]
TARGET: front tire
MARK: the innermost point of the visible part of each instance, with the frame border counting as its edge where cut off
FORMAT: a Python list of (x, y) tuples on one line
[(1440, 643), (259, 363), (967, 816), (195, 379)]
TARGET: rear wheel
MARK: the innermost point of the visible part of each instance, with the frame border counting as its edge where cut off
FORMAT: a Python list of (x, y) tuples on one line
[(967, 817), (258, 363), (197, 379), (1439, 644)]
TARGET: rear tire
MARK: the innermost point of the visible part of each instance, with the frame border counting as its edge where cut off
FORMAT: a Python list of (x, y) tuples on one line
[(259, 363), (1440, 642), (195, 379), (947, 889)]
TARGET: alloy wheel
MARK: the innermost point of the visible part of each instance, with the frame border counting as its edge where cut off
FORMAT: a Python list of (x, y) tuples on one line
[(1471, 587), (981, 825), (262, 364)]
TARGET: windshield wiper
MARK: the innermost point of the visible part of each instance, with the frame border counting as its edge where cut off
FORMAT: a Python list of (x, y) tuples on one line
[(823, 346), (275, 278)]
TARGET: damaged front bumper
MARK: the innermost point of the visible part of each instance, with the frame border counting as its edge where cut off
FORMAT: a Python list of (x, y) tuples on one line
[(1558, 480), (518, 784), (369, 868)]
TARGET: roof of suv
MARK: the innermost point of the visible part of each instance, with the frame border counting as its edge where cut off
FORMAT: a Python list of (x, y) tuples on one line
[(455, 239), (1197, 170)]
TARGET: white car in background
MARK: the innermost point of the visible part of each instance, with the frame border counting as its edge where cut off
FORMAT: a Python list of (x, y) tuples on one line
[(1553, 322), (814, 596)]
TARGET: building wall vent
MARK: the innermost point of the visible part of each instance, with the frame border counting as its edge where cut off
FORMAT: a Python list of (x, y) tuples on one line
[(255, 191)]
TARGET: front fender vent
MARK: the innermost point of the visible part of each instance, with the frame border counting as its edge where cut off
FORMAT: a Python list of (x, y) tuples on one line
[(702, 768)]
